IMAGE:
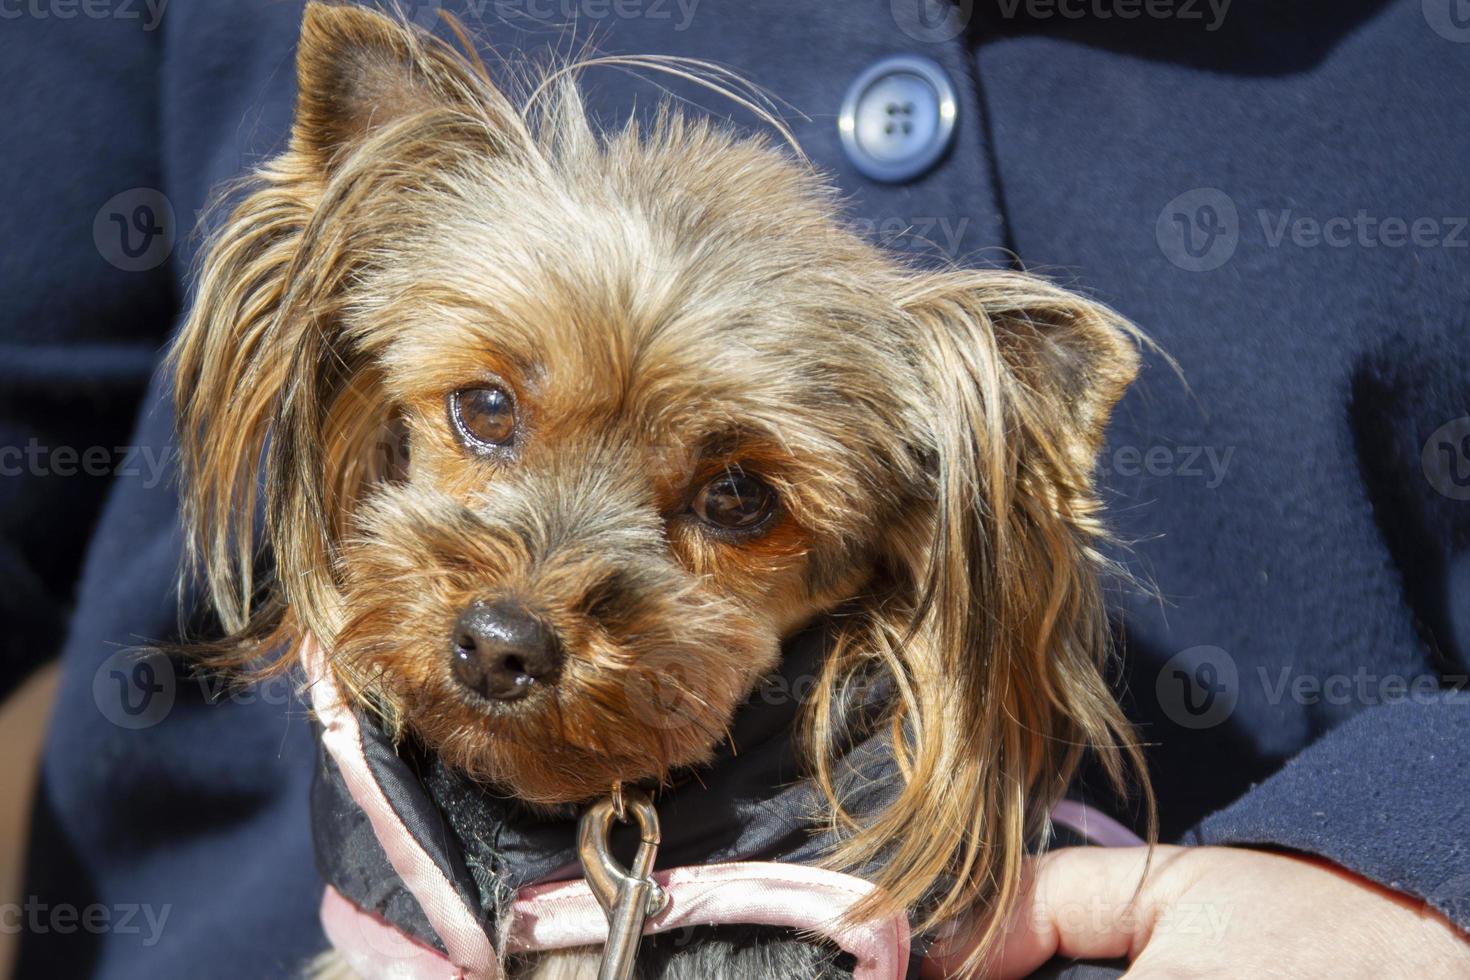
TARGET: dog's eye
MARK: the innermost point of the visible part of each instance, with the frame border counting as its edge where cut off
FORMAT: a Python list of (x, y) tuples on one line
[(484, 417), (735, 501)]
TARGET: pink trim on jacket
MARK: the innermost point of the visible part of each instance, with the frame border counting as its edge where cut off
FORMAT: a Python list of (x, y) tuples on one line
[(457, 926), (565, 914)]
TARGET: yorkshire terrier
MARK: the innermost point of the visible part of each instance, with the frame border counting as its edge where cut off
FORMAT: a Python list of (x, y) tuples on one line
[(653, 408)]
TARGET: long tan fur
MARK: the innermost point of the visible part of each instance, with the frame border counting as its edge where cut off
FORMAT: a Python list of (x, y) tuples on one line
[(666, 301)]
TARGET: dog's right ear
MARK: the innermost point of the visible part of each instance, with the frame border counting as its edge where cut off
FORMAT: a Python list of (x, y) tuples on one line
[(358, 71)]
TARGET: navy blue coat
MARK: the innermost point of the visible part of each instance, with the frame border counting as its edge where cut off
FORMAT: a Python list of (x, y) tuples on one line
[(1303, 508)]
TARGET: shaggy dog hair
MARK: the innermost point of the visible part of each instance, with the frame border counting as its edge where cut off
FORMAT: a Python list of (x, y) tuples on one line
[(645, 385)]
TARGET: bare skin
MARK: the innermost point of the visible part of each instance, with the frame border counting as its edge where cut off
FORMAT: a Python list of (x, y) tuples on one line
[(1218, 912)]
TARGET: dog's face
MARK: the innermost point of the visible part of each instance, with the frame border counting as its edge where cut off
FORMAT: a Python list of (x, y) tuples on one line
[(654, 421), (652, 409)]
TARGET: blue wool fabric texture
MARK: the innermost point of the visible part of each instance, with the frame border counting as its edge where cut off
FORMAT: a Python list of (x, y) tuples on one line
[(1277, 197)]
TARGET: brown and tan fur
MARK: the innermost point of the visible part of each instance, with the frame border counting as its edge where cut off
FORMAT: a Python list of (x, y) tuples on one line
[(663, 303)]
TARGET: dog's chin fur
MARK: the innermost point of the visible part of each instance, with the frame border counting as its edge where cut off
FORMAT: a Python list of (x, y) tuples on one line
[(662, 303)]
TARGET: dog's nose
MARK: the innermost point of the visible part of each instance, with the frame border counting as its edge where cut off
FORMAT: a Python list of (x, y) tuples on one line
[(501, 651)]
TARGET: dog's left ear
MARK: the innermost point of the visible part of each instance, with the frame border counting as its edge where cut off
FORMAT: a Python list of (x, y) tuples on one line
[(1012, 347), (989, 613), (266, 367)]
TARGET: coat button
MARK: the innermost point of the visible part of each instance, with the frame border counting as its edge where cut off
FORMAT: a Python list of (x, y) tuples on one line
[(898, 118)]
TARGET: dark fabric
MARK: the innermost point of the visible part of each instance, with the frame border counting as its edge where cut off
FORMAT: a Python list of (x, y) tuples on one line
[(350, 857), (1060, 970), (78, 335), (1325, 547), (421, 818), (1319, 594)]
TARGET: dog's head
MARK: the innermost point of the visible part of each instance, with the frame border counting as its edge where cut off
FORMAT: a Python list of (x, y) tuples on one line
[(565, 431)]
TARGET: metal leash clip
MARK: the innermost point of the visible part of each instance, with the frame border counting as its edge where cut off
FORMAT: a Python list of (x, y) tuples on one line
[(628, 896)]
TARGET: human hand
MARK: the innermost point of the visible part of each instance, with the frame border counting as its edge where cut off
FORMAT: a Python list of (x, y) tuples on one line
[(1216, 912)]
